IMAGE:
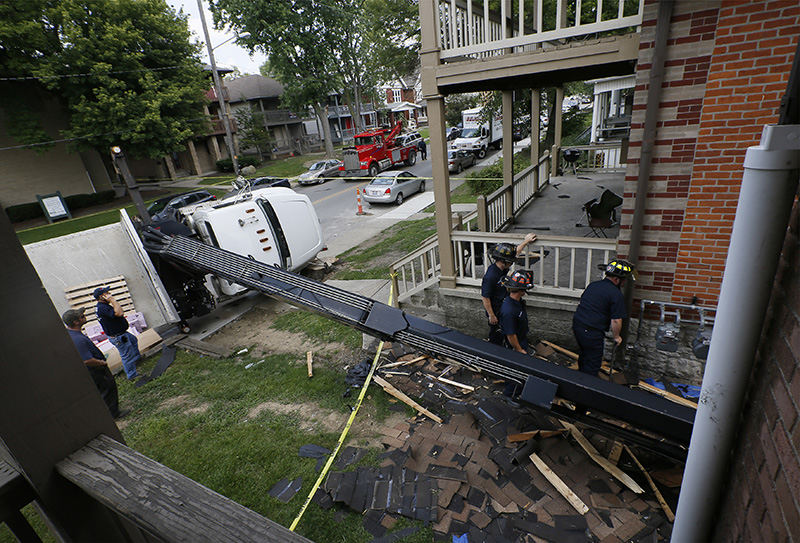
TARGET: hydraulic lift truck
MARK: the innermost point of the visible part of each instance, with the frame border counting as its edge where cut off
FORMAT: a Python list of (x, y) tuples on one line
[(647, 420)]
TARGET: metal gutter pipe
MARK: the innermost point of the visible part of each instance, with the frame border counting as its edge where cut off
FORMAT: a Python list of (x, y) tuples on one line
[(769, 184)]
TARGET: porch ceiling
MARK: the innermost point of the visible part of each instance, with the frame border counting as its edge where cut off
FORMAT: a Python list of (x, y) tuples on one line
[(591, 59)]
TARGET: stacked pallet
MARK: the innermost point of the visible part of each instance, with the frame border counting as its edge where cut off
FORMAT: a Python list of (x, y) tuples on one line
[(80, 296)]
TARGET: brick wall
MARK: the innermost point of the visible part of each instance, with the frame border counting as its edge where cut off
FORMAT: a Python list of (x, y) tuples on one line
[(761, 501), (753, 50), (726, 69)]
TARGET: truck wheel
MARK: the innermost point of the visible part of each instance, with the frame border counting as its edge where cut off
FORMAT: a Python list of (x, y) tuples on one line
[(399, 199), (481, 153), (373, 170), (412, 159)]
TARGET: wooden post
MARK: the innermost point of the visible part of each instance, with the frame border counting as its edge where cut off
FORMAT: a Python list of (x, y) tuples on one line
[(309, 362), (556, 150), (195, 159), (508, 153)]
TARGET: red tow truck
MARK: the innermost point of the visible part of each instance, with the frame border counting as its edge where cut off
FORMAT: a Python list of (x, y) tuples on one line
[(374, 151)]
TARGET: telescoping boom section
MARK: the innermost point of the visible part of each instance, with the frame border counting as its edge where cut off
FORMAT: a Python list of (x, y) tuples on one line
[(541, 380)]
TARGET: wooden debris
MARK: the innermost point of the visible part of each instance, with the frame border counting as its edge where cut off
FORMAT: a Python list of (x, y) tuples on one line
[(403, 398), (309, 361), (562, 488), (668, 395), (544, 350), (560, 349), (601, 461), (659, 497), (404, 362), (525, 436), (671, 478), (616, 450), (455, 384)]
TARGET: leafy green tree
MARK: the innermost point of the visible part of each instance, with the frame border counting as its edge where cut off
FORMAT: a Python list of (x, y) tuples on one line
[(454, 104), (126, 70), (252, 132)]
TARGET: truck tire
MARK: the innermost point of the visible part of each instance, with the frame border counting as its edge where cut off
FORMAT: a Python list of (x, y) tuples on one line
[(373, 170), (481, 153), (399, 199), (412, 158)]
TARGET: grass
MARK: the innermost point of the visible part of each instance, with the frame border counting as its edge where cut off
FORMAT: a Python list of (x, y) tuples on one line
[(318, 328), (79, 224), (371, 259), (197, 419), (424, 132), (282, 167)]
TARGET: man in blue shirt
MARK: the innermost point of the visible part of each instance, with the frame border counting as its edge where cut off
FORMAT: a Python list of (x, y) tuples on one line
[(514, 317), (115, 326), (602, 305), (492, 292), (94, 360)]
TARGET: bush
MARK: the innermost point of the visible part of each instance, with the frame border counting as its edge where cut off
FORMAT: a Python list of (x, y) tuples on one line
[(490, 178), (226, 164), (33, 210)]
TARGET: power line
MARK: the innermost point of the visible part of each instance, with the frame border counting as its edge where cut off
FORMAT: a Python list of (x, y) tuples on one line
[(61, 76)]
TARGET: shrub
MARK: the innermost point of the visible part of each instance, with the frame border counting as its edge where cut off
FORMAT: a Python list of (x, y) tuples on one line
[(32, 210), (490, 178), (226, 164)]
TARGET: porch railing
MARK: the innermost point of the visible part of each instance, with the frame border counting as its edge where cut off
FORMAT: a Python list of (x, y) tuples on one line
[(562, 266), (493, 213), (471, 28), (599, 156)]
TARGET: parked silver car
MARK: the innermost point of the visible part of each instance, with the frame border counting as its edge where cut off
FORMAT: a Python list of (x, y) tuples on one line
[(319, 172), (392, 186), (459, 160)]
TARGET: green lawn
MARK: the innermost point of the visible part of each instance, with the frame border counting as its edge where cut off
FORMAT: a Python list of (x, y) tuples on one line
[(282, 167), (238, 430), (78, 224)]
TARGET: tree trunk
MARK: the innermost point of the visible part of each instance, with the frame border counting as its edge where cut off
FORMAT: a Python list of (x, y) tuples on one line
[(357, 98), (322, 115)]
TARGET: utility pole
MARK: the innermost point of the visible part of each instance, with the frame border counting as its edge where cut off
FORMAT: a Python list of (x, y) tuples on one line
[(226, 122), (121, 163)]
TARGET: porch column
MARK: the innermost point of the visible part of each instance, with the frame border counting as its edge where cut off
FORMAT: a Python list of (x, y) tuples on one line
[(508, 152), (535, 131), (195, 160), (215, 148), (554, 153), (170, 167), (429, 59)]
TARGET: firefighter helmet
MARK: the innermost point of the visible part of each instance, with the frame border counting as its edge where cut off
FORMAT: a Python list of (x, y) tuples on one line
[(519, 280), (621, 268), (505, 252)]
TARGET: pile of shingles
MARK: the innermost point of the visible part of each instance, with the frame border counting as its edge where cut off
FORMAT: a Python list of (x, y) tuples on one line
[(473, 474)]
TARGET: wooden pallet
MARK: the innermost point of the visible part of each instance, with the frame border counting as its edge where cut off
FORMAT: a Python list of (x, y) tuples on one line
[(80, 296)]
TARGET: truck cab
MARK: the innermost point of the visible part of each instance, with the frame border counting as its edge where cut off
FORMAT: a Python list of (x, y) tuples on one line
[(478, 135), (374, 151)]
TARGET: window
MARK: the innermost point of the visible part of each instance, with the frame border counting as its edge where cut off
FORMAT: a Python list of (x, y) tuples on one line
[(397, 95)]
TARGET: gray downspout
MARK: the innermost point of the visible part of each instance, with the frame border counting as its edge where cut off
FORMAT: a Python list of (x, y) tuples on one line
[(769, 184), (648, 142)]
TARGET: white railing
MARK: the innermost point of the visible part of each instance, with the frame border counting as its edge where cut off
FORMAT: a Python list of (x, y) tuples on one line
[(598, 157), (471, 28), (493, 213), (562, 265)]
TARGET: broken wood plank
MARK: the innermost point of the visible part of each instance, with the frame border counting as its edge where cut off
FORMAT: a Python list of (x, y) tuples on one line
[(556, 481), (455, 384), (616, 450), (671, 478), (560, 349), (659, 497), (668, 395), (385, 385), (396, 364), (525, 436), (600, 460), (309, 361)]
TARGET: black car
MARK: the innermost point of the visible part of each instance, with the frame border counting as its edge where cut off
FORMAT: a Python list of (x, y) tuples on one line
[(261, 182), (165, 208), (453, 133)]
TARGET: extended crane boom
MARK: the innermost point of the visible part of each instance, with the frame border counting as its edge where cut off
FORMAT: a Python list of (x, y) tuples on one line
[(542, 380)]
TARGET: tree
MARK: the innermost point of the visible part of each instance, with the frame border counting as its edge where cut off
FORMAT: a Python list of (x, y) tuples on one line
[(454, 104), (126, 70), (252, 132), (298, 38)]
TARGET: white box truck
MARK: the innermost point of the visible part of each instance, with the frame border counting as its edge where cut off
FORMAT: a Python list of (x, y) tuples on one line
[(478, 135)]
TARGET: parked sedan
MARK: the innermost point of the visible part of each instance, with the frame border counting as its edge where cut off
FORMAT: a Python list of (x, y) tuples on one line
[(392, 186), (319, 172), (459, 160), (165, 208)]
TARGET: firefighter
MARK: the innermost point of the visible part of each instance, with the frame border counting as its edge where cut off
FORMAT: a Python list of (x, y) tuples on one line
[(602, 305), (514, 318), (492, 293)]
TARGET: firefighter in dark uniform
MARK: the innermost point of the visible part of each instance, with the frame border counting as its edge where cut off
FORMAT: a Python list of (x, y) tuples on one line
[(492, 293), (602, 305), (514, 317)]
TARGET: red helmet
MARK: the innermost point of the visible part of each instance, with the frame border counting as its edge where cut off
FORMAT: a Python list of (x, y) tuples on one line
[(519, 280)]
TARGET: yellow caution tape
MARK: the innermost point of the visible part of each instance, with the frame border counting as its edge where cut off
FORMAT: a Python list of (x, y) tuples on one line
[(347, 426)]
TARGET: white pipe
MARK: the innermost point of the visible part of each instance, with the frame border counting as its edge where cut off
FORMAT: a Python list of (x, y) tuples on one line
[(769, 184)]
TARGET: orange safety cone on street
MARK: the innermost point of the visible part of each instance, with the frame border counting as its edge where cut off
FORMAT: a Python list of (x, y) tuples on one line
[(358, 199)]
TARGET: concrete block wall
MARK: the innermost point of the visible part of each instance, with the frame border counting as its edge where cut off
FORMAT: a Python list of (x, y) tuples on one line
[(762, 501)]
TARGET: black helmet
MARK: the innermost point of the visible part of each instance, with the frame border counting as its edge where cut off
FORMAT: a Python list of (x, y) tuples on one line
[(505, 252), (621, 268), (519, 280)]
